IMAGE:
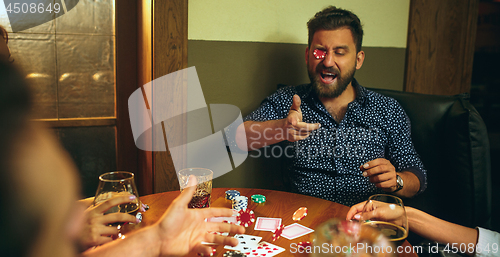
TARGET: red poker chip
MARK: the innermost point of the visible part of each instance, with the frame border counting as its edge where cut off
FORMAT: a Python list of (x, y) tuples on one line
[(303, 245), (245, 217), (319, 54), (277, 232)]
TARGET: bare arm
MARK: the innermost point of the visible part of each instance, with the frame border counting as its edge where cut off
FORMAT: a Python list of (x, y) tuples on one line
[(426, 226), (253, 135), (439, 230)]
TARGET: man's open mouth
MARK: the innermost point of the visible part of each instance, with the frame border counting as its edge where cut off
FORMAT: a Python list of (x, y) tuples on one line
[(328, 77)]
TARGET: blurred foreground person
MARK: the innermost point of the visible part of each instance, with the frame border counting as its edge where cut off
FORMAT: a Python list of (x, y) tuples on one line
[(4, 39), (478, 241), (39, 186), (95, 230)]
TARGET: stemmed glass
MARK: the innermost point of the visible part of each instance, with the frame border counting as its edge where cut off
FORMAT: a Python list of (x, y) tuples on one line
[(387, 214), (117, 183)]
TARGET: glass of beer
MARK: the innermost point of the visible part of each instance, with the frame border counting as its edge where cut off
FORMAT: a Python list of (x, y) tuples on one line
[(387, 214), (203, 192), (114, 184)]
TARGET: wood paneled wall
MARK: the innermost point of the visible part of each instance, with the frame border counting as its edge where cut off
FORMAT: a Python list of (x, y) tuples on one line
[(170, 37), (440, 49), (162, 50), (126, 83)]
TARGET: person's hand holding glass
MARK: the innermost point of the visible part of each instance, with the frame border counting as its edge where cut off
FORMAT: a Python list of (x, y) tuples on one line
[(116, 202), (384, 212), (96, 230)]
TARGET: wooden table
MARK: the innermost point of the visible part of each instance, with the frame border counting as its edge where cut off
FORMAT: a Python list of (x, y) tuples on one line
[(278, 205)]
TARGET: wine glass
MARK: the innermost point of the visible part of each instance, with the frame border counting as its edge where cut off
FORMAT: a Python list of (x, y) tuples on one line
[(387, 214), (118, 183)]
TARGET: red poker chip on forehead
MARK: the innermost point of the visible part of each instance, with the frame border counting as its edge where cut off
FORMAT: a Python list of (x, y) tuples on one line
[(278, 232), (245, 217), (300, 213)]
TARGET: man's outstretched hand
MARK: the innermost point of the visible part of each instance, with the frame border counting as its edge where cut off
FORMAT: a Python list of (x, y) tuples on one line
[(297, 129), (182, 230)]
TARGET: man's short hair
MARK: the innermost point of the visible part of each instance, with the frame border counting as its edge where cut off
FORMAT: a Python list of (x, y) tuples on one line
[(332, 18)]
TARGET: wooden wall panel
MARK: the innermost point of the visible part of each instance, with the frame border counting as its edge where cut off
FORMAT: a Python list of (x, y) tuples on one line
[(126, 83), (440, 49), (170, 37), (145, 75)]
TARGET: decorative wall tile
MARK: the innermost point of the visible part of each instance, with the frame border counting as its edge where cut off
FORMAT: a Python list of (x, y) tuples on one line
[(85, 66), (88, 17), (35, 55)]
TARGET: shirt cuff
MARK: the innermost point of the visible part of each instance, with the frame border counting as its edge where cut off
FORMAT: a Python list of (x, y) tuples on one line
[(487, 243), (420, 175)]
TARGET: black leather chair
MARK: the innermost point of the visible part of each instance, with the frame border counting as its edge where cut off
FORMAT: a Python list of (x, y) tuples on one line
[(451, 139)]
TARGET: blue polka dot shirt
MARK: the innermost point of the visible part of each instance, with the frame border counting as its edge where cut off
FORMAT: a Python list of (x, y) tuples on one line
[(326, 164)]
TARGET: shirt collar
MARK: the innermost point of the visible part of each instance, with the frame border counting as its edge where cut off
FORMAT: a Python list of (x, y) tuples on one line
[(360, 92)]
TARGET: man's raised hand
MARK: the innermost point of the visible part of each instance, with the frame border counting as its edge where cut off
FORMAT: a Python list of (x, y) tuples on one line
[(295, 128)]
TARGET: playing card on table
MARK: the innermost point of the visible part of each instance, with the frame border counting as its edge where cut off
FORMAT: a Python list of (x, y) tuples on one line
[(246, 243), (231, 219), (295, 230), (267, 224), (266, 249)]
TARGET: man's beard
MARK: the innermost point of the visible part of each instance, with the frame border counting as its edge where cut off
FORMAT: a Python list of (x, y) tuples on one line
[(329, 90)]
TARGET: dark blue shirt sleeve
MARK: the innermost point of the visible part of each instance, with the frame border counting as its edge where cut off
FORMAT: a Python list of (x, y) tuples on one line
[(401, 151), (273, 107)]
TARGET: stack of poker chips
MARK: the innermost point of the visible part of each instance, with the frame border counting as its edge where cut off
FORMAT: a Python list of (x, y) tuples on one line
[(258, 199), (240, 203), (231, 194)]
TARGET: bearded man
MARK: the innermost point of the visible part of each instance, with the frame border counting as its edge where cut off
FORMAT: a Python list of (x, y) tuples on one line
[(343, 142)]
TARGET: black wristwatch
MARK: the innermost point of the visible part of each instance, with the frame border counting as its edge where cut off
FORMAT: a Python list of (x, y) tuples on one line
[(399, 183)]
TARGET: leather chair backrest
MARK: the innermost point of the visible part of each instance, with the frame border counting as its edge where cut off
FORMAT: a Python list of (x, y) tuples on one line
[(451, 139)]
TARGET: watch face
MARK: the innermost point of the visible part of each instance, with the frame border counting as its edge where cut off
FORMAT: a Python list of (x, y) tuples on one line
[(399, 180)]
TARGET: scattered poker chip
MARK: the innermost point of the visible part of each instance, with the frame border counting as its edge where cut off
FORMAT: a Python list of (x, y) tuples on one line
[(233, 254), (138, 217), (303, 245), (300, 213), (245, 217), (258, 199), (277, 232)]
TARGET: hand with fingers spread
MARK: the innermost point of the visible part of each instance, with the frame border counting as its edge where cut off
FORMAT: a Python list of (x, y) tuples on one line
[(96, 230), (297, 129), (182, 230), (381, 173)]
